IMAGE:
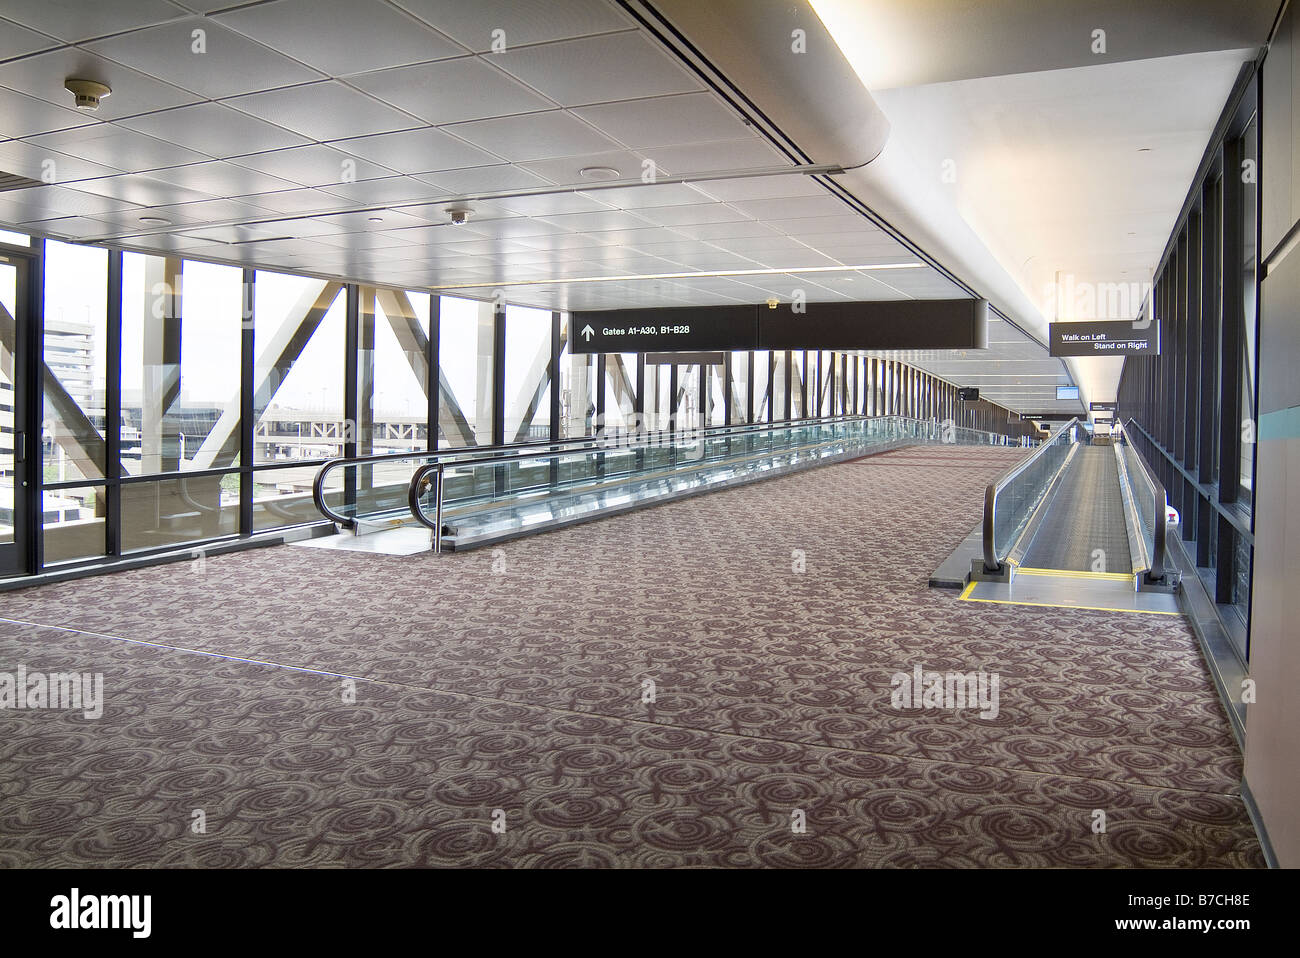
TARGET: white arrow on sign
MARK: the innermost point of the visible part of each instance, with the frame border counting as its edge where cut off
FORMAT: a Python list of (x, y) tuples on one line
[(586, 332)]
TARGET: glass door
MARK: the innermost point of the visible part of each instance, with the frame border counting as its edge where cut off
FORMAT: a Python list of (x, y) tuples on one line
[(14, 490)]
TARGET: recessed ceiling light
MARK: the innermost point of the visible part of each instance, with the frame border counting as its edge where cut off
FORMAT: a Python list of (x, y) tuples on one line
[(155, 221), (376, 219), (1144, 149), (598, 173)]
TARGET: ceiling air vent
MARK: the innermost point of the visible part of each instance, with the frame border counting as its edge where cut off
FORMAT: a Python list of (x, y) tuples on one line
[(12, 181)]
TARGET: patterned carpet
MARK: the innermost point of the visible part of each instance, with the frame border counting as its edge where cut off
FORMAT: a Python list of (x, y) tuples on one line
[(513, 679)]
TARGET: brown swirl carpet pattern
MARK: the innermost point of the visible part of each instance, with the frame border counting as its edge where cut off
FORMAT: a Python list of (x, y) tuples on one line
[(507, 686)]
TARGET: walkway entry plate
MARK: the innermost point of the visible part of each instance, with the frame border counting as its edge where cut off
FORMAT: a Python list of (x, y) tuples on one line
[(1103, 592)]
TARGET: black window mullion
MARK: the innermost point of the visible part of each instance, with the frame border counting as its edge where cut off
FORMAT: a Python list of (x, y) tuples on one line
[(113, 408), (247, 360)]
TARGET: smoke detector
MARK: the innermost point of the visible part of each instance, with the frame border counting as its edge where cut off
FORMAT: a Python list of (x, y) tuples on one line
[(87, 93), (459, 215)]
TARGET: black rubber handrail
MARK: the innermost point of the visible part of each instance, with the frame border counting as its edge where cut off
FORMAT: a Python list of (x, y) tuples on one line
[(991, 561), (1161, 519), (431, 474), (544, 446)]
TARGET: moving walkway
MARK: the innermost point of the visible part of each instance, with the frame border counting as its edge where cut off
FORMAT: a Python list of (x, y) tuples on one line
[(471, 497), (1078, 514)]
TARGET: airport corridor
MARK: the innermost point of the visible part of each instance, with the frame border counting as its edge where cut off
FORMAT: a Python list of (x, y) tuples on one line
[(702, 683)]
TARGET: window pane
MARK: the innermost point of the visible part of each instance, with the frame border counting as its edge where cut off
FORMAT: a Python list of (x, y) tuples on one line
[(577, 388), (72, 522), (400, 403), (762, 387), (465, 360), (299, 337), (75, 353), (528, 379), (175, 511), (620, 393), (1249, 201)]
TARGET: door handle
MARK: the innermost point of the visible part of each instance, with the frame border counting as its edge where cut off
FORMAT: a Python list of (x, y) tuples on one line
[(20, 446)]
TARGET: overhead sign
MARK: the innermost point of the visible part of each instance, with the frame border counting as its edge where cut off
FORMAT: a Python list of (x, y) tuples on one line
[(664, 330), (1101, 407), (903, 324), (968, 393), (1104, 338), (1103, 420)]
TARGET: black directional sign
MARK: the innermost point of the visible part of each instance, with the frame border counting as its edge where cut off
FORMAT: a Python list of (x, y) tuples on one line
[(685, 329), (1104, 338), (1101, 407), (904, 324)]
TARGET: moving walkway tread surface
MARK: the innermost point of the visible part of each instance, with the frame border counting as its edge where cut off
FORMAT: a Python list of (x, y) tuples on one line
[(1086, 513)]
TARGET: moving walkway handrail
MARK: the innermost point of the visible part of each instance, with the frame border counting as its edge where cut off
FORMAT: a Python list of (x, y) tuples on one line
[(1158, 531), (511, 451), (432, 473), (991, 561)]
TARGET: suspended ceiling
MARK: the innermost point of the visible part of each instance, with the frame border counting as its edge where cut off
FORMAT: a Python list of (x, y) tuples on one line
[(331, 136)]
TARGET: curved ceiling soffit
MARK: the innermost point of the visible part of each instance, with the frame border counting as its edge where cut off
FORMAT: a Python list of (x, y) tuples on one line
[(818, 101)]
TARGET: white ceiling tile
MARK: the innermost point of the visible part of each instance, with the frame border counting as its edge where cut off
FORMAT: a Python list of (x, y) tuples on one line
[(693, 215), (367, 241), (209, 211), (747, 153), (619, 66), (43, 76), (324, 111), (232, 234), (665, 121), (452, 90), (70, 227), (482, 179), (293, 201), (18, 41), (550, 204), (649, 196), (533, 136), (48, 202), (22, 115), (390, 220), (359, 35), (595, 222), (761, 248), (723, 231), (119, 148), (222, 179), (72, 21), (761, 187), (567, 170), (416, 151), (141, 189), (800, 207), (27, 159), (389, 189), (312, 165), (539, 235), (214, 129), (520, 21), (229, 64)]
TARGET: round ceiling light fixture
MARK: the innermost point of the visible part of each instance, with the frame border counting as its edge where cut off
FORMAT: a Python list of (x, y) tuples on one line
[(154, 221), (374, 219), (87, 93), (599, 173)]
